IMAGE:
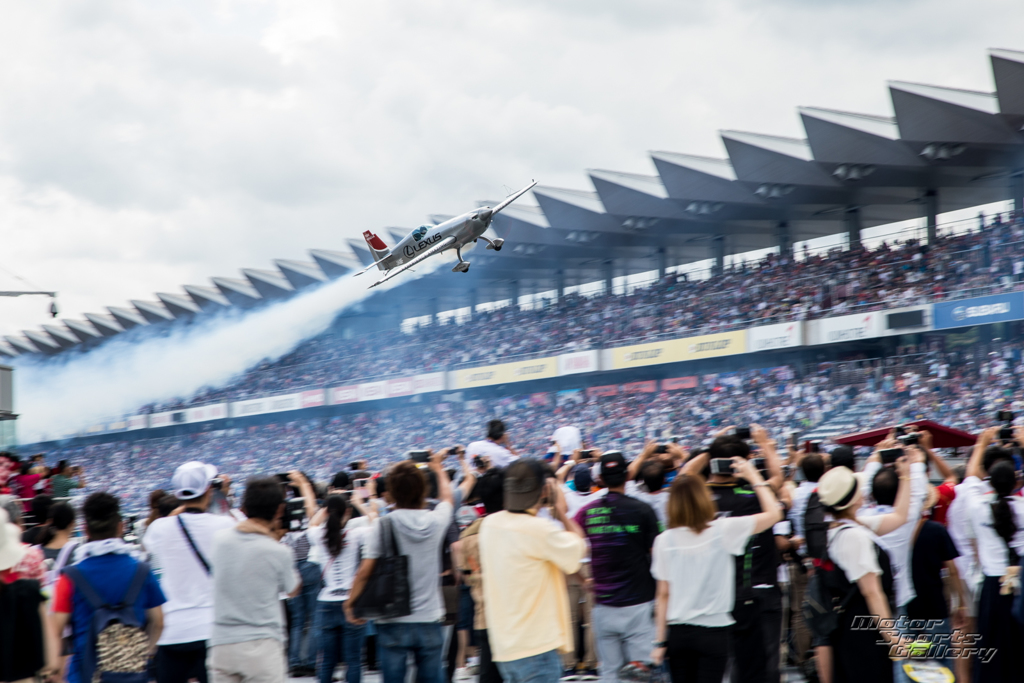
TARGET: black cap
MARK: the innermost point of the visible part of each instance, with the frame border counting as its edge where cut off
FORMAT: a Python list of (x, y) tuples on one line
[(613, 463)]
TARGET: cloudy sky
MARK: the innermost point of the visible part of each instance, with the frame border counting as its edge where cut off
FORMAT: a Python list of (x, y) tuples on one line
[(144, 145)]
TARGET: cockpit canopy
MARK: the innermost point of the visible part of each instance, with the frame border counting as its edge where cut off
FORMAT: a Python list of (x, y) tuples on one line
[(421, 232)]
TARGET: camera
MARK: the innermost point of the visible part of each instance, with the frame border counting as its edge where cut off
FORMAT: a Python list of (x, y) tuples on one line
[(1006, 433), (761, 466), (740, 432), (1004, 416), (217, 484), (294, 515), (721, 466), (812, 446), (419, 456), (478, 462), (890, 455), (909, 439), (661, 448), (588, 453)]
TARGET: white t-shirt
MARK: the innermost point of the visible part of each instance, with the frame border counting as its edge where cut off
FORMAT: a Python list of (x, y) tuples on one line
[(958, 523), (991, 547), (188, 612), (574, 500), (338, 572), (657, 500), (701, 570), (853, 550), (496, 453)]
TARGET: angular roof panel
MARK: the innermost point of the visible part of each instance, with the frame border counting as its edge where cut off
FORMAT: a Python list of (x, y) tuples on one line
[(695, 178), (42, 341), (301, 274), (772, 159), (21, 344), (844, 138), (206, 298), (238, 292), (270, 284), (931, 114), (152, 311), (335, 263), (106, 325), (62, 336), (127, 317), (179, 306), (8, 350), (1008, 71), (85, 331), (629, 194)]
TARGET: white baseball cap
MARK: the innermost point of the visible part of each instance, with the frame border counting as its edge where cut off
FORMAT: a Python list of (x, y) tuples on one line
[(192, 479)]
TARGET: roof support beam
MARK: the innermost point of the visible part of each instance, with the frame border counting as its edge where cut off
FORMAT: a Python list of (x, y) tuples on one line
[(785, 239), (718, 253), (931, 201), (609, 276), (1017, 191), (853, 226), (662, 262), (513, 287), (560, 280)]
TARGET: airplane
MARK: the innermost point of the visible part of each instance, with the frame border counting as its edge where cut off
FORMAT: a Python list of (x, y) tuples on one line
[(430, 240)]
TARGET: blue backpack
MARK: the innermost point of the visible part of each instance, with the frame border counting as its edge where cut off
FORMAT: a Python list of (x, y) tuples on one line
[(117, 648)]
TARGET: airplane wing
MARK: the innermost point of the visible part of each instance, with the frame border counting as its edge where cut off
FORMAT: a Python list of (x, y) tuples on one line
[(436, 249), (373, 264), (511, 198)]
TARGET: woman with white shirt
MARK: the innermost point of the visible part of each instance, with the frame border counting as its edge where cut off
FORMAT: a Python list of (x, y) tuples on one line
[(868, 589), (340, 549), (997, 522), (694, 563)]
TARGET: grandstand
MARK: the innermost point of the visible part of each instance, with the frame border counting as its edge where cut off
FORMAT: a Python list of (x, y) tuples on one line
[(742, 319)]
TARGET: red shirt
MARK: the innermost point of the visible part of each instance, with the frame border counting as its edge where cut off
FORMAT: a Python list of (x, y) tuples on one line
[(947, 493)]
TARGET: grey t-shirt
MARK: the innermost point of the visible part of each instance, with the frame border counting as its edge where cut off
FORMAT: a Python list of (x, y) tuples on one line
[(250, 572), (419, 535)]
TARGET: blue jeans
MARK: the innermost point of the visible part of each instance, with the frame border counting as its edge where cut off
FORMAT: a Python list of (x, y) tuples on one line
[(928, 627), (424, 640), (302, 608), (338, 640), (543, 668)]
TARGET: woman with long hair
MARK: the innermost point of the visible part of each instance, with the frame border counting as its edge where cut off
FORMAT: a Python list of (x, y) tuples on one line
[(341, 547), (997, 518), (694, 563)]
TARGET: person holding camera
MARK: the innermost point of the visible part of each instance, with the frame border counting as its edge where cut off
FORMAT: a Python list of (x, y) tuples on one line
[(757, 613), (302, 639), (419, 533), (863, 578), (181, 545), (496, 449), (64, 477), (695, 565)]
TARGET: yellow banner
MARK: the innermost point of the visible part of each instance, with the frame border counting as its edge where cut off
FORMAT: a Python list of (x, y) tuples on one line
[(520, 371), (679, 350)]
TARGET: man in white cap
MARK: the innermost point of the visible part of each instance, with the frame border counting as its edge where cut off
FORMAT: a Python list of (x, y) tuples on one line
[(181, 545)]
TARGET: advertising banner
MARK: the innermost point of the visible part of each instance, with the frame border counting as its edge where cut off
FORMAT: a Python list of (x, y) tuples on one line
[(781, 336), (432, 381), (138, 422), (677, 383), (520, 371), (270, 404), (648, 387), (312, 399), (339, 395), (847, 328), (607, 390), (214, 411), (161, 419), (578, 362), (979, 311), (679, 350)]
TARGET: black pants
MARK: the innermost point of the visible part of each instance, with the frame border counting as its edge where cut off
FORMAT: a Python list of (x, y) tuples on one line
[(999, 630), (770, 602), (488, 669), (180, 662), (747, 642), (697, 654)]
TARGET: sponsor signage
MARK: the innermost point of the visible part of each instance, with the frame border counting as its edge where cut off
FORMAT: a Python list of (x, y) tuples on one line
[(161, 420), (138, 422), (375, 391), (520, 371), (214, 411), (979, 311), (781, 336), (648, 387), (607, 390), (312, 399), (349, 394), (677, 383), (578, 362), (679, 350), (432, 381), (847, 328)]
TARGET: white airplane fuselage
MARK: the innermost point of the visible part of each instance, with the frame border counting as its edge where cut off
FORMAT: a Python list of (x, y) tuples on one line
[(465, 228)]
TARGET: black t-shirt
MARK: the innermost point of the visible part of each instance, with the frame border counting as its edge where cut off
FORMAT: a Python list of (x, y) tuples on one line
[(931, 550), (758, 566), (621, 531)]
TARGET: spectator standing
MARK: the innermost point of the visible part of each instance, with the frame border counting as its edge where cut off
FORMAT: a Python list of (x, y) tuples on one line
[(251, 569), (39, 514), (694, 563), (64, 477), (621, 531), (340, 640), (107, 568), (302, 607), (524, 559), (182, 545), (419, 534), (496, 448)]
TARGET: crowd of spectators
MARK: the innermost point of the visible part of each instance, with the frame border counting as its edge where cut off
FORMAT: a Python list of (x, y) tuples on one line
[(776, 289)]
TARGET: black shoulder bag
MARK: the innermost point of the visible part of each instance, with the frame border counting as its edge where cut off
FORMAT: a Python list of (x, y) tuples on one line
[(386, 593), (195, 548)]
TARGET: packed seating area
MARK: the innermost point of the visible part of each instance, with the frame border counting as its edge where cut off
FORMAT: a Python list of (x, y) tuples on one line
[(981, 261)]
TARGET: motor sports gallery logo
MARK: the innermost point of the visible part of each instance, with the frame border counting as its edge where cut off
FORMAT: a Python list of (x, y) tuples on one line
[(961, 313), (923, 646)]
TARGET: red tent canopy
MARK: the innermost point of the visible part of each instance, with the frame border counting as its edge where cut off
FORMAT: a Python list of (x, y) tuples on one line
[(942, 436)]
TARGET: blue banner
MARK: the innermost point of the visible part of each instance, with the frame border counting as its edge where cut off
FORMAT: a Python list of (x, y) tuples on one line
[(979, 311)]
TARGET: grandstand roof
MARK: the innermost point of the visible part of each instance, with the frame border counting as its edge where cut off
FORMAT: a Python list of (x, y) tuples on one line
[(942, 149)]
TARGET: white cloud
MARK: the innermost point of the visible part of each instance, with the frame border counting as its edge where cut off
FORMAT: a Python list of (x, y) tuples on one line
[(147, 145)]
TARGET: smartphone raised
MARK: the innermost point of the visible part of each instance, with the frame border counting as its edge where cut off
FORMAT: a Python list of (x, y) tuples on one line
[(890, 455), (721, 466)]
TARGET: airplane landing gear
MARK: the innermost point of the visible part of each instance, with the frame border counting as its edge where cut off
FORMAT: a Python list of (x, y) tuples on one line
[(461, 266), (494, 244)]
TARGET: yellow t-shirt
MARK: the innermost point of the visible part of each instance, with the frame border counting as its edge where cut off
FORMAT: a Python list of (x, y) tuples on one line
[(524, 561)]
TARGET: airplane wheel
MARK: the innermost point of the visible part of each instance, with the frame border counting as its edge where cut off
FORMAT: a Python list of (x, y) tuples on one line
[(497, 249)]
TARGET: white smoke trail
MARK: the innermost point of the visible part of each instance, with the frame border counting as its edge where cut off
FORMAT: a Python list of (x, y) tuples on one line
[(56, 397)]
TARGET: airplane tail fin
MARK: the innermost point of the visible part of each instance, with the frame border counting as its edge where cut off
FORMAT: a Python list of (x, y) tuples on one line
[(377, 247)]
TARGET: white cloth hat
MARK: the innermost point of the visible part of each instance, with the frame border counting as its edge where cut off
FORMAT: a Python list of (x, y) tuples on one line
[(11, 547), (192, 479)]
